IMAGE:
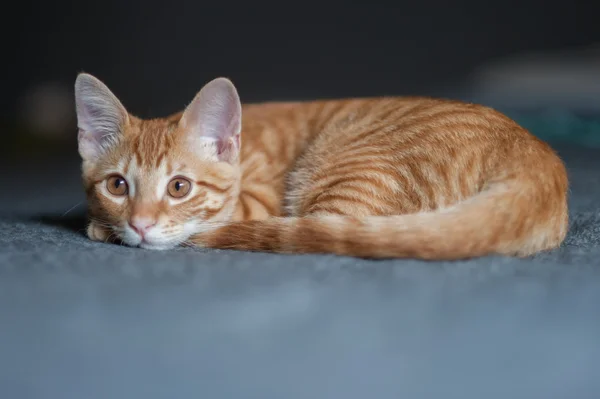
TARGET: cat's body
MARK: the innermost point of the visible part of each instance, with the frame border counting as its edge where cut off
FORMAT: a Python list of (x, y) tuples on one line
[(372, 177)]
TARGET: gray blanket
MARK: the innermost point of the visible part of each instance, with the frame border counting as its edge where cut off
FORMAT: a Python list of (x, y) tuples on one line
[(80, 319)]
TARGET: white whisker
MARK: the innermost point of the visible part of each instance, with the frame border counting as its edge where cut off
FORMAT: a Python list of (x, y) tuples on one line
[(75, 206)]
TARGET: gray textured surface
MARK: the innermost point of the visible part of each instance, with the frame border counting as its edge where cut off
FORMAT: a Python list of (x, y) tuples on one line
[(87, 320)]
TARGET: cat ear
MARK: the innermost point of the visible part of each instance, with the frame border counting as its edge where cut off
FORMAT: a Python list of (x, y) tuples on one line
[(213, 120), (100, 116)]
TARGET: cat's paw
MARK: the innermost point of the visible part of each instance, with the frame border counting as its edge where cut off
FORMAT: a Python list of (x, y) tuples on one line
[(98, 233)]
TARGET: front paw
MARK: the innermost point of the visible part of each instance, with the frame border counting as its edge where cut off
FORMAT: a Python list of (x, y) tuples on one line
[(98, 233)]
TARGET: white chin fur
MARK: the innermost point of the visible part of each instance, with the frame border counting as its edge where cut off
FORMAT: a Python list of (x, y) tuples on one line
[(154, 240), (156, 247), (130, 237)]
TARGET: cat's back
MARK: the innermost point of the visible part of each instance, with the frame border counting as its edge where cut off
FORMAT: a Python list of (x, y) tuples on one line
[(412, 153), (396, 131), (357, 112), (390, 121)]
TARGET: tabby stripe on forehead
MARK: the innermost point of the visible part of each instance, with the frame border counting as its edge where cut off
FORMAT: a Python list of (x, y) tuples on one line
[(160, 158), (126, 166)]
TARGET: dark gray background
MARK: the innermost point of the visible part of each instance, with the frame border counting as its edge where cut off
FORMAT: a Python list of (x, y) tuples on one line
[(157, 54)]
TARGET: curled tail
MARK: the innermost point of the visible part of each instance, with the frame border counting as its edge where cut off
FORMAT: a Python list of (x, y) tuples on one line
[(507, 218)]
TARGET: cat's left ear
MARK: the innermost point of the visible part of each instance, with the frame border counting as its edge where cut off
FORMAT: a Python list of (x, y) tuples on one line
[(213, 121), (101, 117)]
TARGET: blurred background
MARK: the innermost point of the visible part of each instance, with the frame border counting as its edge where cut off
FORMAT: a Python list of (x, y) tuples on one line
[(537, 60)]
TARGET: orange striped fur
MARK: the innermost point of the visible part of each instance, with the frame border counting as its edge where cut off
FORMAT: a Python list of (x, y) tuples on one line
[(368, 177)]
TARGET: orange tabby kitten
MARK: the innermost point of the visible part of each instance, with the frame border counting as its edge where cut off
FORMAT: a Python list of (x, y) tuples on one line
[(372, 177)]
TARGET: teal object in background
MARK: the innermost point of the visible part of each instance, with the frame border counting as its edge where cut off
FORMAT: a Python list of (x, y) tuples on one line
[(560, 126)]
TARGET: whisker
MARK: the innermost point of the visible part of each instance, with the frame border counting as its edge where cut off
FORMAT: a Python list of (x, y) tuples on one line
[(75, 206), (101, 223)]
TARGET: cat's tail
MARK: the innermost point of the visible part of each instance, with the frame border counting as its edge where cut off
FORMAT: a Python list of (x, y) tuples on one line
[(508, 218)]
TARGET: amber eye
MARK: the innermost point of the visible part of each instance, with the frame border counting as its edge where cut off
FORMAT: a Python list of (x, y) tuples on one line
[(179, 187), (117, 185)]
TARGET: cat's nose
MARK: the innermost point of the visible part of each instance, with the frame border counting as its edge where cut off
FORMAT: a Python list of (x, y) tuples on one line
[(141, 225)]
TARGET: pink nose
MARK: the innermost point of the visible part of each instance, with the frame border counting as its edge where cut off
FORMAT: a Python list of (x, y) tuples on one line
[(141, 225)]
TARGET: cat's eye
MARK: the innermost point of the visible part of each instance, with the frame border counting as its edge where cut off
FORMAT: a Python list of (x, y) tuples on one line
[(179, 187), (117, 185)]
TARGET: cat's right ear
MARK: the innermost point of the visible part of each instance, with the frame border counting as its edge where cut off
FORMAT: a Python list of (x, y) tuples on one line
[(100, 116), (213, 121)]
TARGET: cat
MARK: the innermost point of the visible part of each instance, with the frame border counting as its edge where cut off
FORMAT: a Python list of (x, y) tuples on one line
[(389, 177)]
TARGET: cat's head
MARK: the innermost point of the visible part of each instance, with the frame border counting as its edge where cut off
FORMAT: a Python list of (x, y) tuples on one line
[(154, 183)]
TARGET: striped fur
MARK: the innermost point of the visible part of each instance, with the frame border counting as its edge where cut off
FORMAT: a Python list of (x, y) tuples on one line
[(368, 177)]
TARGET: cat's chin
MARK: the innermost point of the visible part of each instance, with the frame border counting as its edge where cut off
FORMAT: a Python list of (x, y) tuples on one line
[(155, 240), (156, 247)]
